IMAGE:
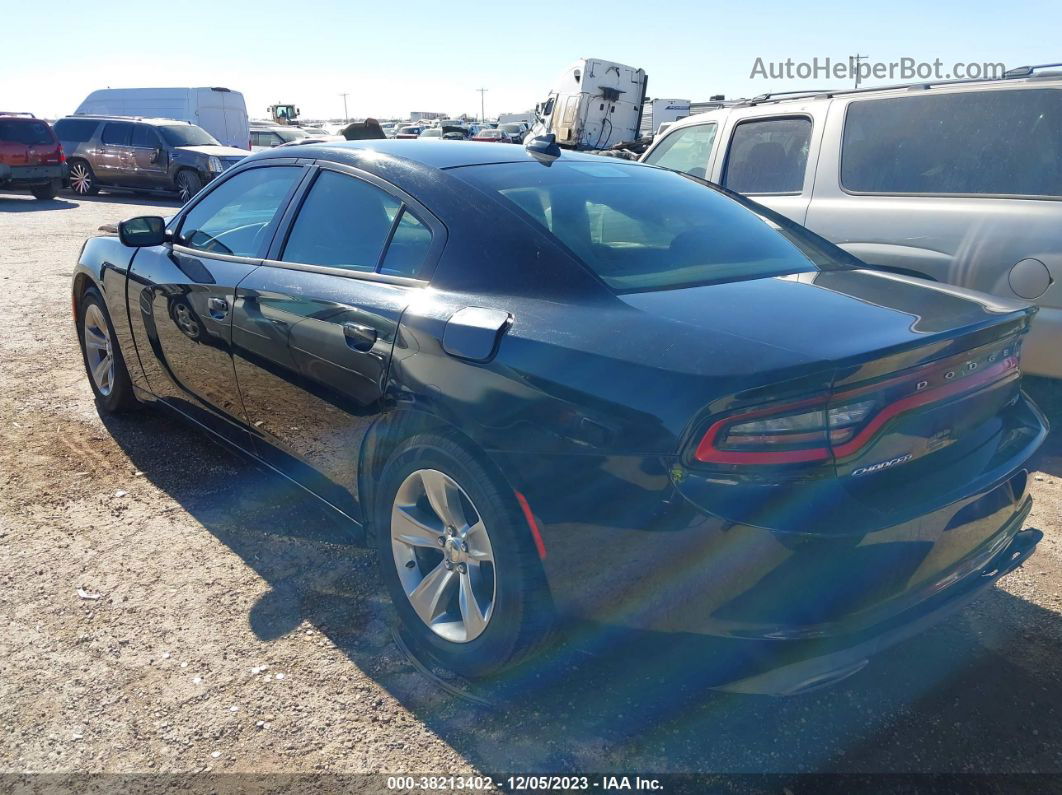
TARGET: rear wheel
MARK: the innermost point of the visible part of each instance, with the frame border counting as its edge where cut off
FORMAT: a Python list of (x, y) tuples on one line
[(458, 560), (103, 358), (188, 184), (45, 191), (83, 179)]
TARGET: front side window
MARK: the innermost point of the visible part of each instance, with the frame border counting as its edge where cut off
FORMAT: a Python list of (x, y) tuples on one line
[(768, 156), (145, 137), (343, 223), (969, 142), (237, 216), (686, 149), (641, 228), (118, 133)]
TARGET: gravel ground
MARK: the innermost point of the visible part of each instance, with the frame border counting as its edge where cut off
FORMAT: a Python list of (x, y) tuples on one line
[(221, 642)]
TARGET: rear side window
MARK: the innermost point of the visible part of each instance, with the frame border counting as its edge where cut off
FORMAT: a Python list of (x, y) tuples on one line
[(408, 249), (768, 156), (75, 130), (686, 149), (976, 142), (236, 218), (118, 133), (28, 132), (343, 223)]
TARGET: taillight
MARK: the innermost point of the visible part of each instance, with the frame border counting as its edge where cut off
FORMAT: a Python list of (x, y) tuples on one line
[(838, 425)]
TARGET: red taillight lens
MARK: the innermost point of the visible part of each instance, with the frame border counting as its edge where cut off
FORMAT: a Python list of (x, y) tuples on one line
[(826, 427)]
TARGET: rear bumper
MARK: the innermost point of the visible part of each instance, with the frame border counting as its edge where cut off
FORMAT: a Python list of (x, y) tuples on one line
[(828, 667), (32, 176)]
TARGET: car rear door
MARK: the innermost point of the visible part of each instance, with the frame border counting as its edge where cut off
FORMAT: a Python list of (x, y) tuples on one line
[(114, 162), (314, 327), (180, 294)]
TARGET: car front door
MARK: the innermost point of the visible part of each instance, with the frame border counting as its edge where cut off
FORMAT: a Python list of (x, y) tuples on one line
[(149, 158), (771, 159), (114, 162), (314, 327), (181, 294)]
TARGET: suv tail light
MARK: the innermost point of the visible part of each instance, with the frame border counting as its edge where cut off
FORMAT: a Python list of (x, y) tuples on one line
[(838, 425)]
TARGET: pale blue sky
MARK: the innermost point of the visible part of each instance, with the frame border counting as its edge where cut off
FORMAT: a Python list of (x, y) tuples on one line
[(395, 57)]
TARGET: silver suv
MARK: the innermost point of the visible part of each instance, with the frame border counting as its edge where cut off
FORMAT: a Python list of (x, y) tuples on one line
[(958, 182)]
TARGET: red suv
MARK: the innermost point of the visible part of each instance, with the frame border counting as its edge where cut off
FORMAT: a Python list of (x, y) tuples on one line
[(31, 157)]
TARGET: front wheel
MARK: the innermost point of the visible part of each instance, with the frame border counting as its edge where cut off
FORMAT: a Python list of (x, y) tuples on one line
[(458, 560), (188, 184), (104, 363)]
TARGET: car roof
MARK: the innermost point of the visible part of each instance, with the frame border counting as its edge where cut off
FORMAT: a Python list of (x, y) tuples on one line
[(158, 121), (425, 152)]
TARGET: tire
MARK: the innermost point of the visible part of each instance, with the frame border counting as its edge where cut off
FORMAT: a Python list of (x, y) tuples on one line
[(83, 178), (509, 591), (44, 192), (111, 385), (188, 184)]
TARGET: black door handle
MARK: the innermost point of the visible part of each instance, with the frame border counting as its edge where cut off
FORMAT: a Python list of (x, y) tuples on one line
[(359, 337), (218, 307)]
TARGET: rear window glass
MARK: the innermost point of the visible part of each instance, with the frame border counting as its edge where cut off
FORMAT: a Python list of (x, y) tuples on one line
[(971, 142), (641, 228), (26, 131), (75, 130)]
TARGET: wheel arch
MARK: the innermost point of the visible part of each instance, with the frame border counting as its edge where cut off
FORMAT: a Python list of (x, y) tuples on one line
[(384, 437)]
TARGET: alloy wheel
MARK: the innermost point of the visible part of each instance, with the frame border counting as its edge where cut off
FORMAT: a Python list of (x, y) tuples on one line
[(98, 350), (443, 555), (80, 179)]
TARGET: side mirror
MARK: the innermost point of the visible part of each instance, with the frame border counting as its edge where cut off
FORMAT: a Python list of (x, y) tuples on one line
[(142, 232)]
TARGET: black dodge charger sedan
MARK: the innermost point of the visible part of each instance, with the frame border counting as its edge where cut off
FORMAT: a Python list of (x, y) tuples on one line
[(548, 386)]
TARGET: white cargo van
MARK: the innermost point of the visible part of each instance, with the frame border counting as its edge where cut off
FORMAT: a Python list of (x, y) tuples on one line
[(219, 111), (593, 105)]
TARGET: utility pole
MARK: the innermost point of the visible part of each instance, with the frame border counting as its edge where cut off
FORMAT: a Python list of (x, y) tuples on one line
[(853, 65), (346, 116), (482, 116)]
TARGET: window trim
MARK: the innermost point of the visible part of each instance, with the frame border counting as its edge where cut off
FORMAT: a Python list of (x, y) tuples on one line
[(678, 131), (935, 194), (175, 226), (422, 214), (781, 117)]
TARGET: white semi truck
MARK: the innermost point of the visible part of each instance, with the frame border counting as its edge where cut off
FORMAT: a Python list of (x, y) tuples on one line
[(594, 104)]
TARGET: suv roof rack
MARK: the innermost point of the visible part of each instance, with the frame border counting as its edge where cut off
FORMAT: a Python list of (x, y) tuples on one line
[(1029, 71), (119, 117), (783, 96), (23, 114)]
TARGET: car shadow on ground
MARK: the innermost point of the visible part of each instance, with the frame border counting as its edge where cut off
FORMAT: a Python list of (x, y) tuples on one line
[(28, 204), (121, 197), (980, 692)]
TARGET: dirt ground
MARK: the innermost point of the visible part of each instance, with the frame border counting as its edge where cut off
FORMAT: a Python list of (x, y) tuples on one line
[(235, 631)]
